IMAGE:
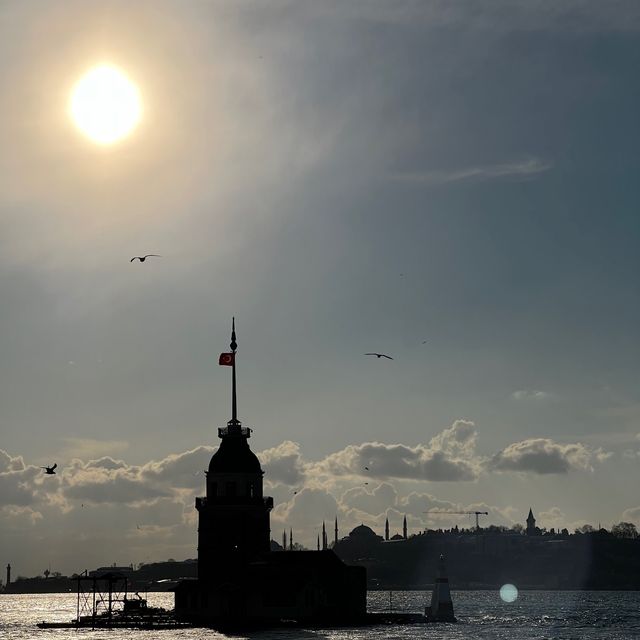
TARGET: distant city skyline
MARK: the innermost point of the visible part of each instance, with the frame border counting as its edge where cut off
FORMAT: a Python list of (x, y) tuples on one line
[(452, 185)]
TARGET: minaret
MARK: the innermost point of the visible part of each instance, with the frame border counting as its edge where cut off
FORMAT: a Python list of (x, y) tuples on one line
[(386, 529), (8, 576), (290, 539), (318, 542), (324, 537), (233, 524), (335, 533), (284, 540), (404, 528)]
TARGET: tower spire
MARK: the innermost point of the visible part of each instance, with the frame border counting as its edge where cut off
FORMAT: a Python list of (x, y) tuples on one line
[(234, 396)]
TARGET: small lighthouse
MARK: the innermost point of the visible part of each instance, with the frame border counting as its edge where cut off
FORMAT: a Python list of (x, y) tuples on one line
[(441, 609)]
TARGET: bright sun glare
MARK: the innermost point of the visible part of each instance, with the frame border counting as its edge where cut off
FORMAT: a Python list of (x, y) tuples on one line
[(105, 105)]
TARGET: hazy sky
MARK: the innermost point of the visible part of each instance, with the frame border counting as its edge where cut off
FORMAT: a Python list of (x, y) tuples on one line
[(343, 177)]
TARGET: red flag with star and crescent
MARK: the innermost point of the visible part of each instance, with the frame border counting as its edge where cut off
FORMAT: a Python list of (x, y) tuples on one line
[(226, 359)]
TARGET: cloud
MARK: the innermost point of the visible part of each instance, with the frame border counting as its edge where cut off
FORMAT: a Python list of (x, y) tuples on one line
[(17, 481), (457, 440), (184, 470), (496, 15), (551, 517), (531, 394), (449, 456), (153, 502), (88, 448), (418, 504), (113, 481), (17, 487), (106, 462), (112, 487), (14, 517), (283, 464), (307, 509), (374, 502), (524, 169), (10, 463), (632, 514), (543, 456)]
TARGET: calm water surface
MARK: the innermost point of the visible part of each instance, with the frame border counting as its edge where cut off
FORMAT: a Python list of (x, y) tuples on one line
[(482, 614)]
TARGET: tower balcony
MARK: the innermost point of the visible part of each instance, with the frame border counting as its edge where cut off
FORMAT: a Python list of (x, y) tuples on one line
[(234, 430)]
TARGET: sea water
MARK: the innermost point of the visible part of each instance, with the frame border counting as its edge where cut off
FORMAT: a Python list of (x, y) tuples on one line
[(562, 615)]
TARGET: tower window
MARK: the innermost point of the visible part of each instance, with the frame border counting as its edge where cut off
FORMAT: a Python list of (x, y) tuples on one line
[(231, 489), (251, 492), (214, 489)]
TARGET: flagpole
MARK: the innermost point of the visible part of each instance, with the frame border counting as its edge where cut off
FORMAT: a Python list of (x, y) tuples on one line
[(234, 399)]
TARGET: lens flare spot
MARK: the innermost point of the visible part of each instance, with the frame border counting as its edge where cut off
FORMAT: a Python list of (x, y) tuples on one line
[(509, 592)]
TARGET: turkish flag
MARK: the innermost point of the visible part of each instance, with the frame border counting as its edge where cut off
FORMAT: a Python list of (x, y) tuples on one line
[(226, 359)]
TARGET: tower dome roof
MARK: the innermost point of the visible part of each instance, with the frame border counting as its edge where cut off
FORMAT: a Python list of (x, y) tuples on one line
[(234, 456)]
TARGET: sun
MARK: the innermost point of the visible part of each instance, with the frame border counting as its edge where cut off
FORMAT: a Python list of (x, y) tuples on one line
[(105, 105)]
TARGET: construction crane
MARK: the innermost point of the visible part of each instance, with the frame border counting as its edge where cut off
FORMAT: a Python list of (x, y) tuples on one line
[(477, 514)]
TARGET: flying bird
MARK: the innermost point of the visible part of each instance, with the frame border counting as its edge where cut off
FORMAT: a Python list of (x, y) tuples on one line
[(366, 468), (143, 258), (50, 471), (379, 355)]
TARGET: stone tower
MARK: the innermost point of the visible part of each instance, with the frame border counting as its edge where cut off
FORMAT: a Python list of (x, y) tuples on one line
[(531, 524), (233, 518)]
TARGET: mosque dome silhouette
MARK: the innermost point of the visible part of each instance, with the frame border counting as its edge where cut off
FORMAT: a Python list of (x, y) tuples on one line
[(363, 532)]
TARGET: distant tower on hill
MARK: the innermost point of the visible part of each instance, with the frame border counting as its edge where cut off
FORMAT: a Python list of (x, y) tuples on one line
[(531, 524), (404, 528), (335, 533), (324, 537), (386, 529), (8, 575)]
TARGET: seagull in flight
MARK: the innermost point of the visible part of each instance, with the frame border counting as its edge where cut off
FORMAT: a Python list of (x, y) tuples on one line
[(143, 258), (379, 355), (50, 471)]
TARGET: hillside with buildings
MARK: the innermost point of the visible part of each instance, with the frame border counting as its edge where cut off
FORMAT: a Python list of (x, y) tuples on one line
[(531, 558)]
